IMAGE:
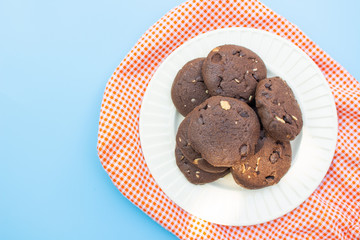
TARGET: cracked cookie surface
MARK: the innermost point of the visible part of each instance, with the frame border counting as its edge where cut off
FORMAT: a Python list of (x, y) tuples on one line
[(188, 89), (233, 71), (223, 130)]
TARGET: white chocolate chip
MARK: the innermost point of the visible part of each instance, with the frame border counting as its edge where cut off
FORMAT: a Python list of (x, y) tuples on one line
[(251, 96), (295, 118), (179, 139), (196, 161), (193, 81), (182, 157), (249, 176), (206, 91), (278, 104), (225, 105), (279, 119), (197, 174), (257, 164), (255, 69), (216, 49), (236, 122), (243, 168), (236, 80), (193, 100)]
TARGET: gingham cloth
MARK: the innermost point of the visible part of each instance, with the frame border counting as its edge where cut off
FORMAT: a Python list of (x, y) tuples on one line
[(331, 212)]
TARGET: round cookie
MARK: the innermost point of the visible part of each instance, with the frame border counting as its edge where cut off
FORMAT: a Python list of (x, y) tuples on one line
[(278, 109), (194, 157), (224, 130), (233, 71), (266, 167), (188, 89), (194, 174)]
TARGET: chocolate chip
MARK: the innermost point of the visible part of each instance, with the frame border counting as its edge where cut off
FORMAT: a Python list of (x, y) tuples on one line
[(216, 58), (244, 150), (255, 76), (244, 114), (265, 94), (270, 178), (201, 120), (205, 107), (280, 143), (287, 119), (274, 157), (199, 79), (238, 53), (268, 86)]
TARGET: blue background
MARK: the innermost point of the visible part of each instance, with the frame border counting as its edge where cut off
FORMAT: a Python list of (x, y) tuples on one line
[(55, 59)]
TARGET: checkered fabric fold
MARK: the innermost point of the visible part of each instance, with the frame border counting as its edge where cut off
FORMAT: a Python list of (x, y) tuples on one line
[(331, 212)]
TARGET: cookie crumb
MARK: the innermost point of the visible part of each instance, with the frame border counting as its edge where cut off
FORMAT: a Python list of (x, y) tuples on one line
[(225, 105), (215, 49)]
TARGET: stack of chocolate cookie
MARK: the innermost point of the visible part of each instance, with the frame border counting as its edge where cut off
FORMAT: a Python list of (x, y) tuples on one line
[(236, 119)]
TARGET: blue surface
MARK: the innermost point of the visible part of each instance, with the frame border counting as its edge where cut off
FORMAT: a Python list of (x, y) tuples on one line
[(55, 59)]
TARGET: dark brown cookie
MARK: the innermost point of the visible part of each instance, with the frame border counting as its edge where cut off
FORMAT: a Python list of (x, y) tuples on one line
[(194, 174), (224, 130), (233, 71), (182, 141), (278, 109), (188, 89), (266, 167)]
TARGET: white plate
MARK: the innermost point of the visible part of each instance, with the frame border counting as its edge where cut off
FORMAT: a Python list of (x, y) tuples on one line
[(223, 201)]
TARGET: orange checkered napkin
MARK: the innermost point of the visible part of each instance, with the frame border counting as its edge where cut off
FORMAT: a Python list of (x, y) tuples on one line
[(331, 212)]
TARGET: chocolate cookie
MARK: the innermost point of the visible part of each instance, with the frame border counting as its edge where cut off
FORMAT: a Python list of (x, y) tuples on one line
[(194, 174), (278, 109), (188, 89), (224, 130), (194, 157), (266, 167), (233, 71)]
